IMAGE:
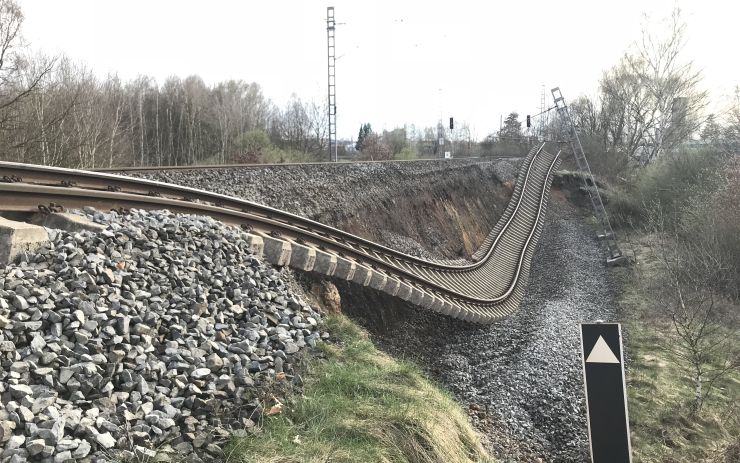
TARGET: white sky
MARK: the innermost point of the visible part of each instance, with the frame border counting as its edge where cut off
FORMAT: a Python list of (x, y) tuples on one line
[(400, 62)]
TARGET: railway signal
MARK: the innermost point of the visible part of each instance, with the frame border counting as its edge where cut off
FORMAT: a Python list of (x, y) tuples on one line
[(606, 398)]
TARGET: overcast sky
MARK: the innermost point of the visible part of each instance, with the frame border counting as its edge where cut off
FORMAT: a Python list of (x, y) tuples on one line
[(400, 62)]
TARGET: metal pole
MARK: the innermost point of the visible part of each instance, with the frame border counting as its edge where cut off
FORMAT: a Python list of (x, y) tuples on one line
[(331, 81)]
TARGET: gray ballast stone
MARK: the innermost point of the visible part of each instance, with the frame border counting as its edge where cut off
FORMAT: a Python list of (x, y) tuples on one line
[(35, 446), (19, 237), (157, 329), (105, 440)]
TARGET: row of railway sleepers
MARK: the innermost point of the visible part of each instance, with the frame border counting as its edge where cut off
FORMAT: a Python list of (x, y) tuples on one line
[(282, 251), (493, 276)]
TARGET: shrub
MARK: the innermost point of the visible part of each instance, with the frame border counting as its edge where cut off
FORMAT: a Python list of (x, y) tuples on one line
[(251, 146), (608, 163), (669, 184), (374, 149), (275, 155), (714, 219), (407, 154)]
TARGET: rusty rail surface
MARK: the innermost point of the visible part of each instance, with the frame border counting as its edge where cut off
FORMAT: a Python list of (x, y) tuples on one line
[(484, 290)]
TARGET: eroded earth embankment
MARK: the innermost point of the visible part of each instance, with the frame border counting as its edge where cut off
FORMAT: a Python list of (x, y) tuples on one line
[(439, 209), (521, 377)]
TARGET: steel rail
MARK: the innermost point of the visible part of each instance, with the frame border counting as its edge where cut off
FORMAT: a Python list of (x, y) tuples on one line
[(21, 197), (43, 175), (433, 289)]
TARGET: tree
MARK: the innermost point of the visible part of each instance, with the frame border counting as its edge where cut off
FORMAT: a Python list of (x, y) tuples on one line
[(712, 131), (706, 325), (375, 149), (512, 127), (395, 140), (365, 131), (731, 131), (301, 127), (585, 116), (652, 100)]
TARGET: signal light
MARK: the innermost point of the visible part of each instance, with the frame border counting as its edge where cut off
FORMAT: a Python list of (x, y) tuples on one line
[(529, 121), (452, 125)]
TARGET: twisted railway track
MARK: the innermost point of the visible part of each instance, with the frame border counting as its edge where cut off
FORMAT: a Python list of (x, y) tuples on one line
[(484, 290)]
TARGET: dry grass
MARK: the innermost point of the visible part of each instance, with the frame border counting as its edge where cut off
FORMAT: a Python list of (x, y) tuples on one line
[(362, 406), (659, 386)]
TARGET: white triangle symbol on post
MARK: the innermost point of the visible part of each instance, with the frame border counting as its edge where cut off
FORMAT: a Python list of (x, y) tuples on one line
[(601, 353)]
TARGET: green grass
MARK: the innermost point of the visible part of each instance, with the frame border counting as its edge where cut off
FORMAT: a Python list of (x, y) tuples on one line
[(360, 405), (660, 390)]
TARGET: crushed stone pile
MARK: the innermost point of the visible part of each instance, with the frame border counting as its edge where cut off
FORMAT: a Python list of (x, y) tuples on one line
[(156, 333), (320, 192)]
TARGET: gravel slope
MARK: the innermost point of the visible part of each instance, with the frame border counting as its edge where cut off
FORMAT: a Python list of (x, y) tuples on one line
[(522, 377), (414, 207), (161, 331)]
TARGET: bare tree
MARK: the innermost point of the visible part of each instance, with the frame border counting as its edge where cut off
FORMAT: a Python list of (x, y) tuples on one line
[(706, 324), (375, 149), (300, 126), (652, 100)]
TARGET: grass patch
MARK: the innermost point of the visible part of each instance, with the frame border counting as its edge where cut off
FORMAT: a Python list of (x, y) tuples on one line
[(659, 387), (360, 405)]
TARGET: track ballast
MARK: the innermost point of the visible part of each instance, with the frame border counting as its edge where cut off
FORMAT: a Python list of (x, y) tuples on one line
[(485, 290)]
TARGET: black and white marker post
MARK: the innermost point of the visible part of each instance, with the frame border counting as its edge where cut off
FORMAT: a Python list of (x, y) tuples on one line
[(606, 393)]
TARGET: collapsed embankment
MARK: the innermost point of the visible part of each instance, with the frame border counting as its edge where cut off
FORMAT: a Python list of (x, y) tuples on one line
[(521, 377), (437, 209)]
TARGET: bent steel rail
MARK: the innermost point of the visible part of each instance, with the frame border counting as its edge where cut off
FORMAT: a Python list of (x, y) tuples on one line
[(487, 289)]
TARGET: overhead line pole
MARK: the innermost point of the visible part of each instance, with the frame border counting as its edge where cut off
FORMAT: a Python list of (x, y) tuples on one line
[(589, 183), (331, 80)]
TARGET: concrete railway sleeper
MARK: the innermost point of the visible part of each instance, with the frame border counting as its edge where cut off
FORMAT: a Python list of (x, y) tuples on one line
[(481, 291)]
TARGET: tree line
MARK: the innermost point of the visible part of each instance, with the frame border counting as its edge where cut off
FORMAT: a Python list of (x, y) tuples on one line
[(54, 111)]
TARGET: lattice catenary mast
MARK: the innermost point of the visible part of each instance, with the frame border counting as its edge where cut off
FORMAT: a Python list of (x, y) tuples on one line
[(332, 101), (615, 254)]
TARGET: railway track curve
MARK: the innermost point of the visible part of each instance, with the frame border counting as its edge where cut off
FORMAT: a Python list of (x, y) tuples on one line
[(484, 290)]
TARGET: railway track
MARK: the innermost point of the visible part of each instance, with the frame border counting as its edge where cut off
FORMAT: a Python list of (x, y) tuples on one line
[(484, 290)]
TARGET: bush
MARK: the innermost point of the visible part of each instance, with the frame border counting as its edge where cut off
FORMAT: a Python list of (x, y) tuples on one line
[(407, 154), (374, 149), (714, 219), (251, 146), (610, 164), (505, 148), (669, 184), (275, 155)]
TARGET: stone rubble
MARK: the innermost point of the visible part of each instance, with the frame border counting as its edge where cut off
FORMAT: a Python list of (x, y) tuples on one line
[(161, 331), (521, 378)]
